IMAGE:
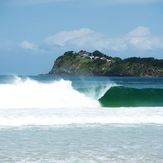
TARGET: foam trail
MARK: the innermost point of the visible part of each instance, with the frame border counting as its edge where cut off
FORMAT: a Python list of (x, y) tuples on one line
[(57, 117), (27, 93)]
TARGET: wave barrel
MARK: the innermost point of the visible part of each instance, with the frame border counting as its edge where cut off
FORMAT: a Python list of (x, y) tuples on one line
[(132, 97)]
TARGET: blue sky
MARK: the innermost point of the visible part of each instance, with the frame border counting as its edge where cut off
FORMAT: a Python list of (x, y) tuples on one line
[(34, 32)]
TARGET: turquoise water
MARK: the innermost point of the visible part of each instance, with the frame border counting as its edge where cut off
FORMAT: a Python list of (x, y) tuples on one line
[(54, 120)]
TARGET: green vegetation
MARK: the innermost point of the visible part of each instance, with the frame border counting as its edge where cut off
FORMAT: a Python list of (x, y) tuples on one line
[(97, 63)]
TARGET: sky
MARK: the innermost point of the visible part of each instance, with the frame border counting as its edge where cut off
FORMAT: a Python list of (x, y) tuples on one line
[(33, 33)]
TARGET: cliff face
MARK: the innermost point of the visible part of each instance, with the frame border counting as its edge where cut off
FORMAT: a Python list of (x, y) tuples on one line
[(97, 63)]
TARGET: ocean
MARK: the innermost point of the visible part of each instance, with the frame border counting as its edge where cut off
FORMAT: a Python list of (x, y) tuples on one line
[(81, 119)]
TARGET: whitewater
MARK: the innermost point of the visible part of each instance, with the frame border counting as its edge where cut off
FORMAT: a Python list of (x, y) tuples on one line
[(29, 102), (70, 119)]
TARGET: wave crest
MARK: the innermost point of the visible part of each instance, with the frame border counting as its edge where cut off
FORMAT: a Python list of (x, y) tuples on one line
[(28, 93)]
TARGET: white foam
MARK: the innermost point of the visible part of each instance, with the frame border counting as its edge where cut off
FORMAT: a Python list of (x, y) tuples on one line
[(28, 102), (32, 94), (63, 116)]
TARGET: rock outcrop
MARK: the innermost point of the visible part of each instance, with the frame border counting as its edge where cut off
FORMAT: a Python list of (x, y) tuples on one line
[(99, 64)]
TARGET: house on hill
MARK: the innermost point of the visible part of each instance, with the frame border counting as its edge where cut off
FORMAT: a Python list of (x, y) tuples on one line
[(84, 53)]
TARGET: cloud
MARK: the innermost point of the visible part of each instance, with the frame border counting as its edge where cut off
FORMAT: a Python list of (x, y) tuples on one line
[(62, 38), (84, 38), (28, 45), (139, 38), (139, 31)]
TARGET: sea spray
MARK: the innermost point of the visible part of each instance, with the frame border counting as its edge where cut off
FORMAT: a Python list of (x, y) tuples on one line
[(27, 102), (96, 90), (28, 93)]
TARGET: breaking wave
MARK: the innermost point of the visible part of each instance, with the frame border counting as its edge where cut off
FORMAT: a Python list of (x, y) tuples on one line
[(28, 93), (27, 102), (120, 96)]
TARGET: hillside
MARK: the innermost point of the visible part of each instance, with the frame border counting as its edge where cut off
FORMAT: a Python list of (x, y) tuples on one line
[(99, 64)]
